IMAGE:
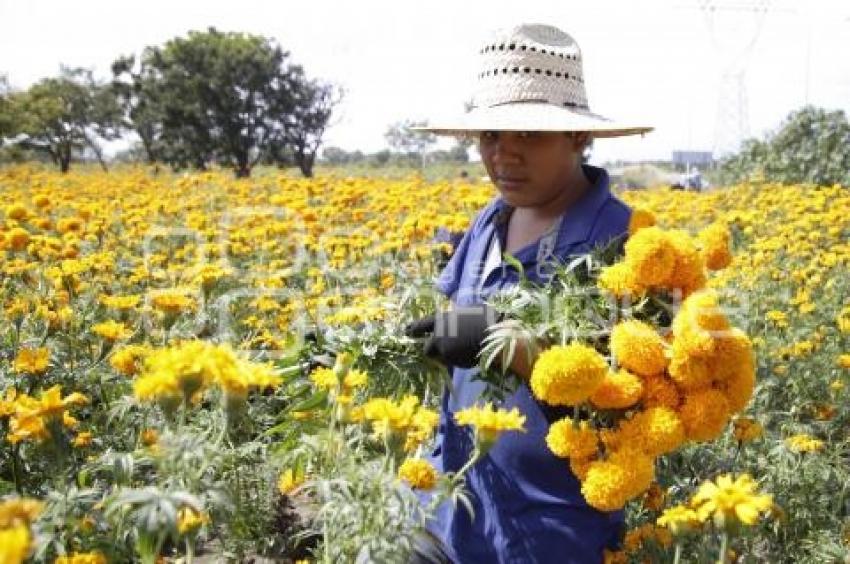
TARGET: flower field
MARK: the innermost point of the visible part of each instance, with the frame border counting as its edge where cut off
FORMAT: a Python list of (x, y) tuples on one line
[(193, 366)]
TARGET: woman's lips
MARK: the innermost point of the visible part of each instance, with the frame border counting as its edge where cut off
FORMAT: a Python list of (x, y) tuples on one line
[(510, 182)]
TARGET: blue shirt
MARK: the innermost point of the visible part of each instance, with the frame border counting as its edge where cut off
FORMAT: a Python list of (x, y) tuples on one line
[(528, 504)]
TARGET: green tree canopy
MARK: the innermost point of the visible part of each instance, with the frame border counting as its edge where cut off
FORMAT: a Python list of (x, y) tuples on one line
[(812, 145), (65, 115), (232, 98)]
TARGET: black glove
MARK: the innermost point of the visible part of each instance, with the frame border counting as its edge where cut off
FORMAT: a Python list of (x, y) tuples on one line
[(455, 336)]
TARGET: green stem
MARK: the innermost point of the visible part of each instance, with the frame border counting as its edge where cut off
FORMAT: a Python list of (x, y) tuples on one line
[(677, 555), (724, 548)]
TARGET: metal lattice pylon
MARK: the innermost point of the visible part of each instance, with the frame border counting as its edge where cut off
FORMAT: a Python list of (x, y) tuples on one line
[(734, 49)]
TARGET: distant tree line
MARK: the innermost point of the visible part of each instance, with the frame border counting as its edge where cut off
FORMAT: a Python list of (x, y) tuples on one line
[(812, 145), (232, 99)]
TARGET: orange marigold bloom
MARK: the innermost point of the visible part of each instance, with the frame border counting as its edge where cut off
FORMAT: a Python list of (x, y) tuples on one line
[(659, 391), (704, 414), (638, 347), (715, 241), (651, 256), (618, 390)]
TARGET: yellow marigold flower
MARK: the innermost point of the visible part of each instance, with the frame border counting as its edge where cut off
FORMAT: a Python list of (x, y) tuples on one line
[(324, 378), (638, 347), (355, 379), (705, 414), (18, 238), (689, 372), (119, 302), (739, 387), (844, 361), (804, 443), (82, 440), (620, 280), (659, 391), (651, 256), (422, 426), (654, 431), (618, 390), (570, 439), (41, 200), (746, 429), (567, 375), (489, 423), (17, 212), (128, 359), (82, 558), (19, 511), (173, 302), (32, 361), (189, 520), (688, 273), (679, 519), (580, 466), (609, 484), (289, 480), (614, 557), (420, 474), (111, 330), (14, 544), (778, 318), (150, 437), (836, 385), (715, 241), (639, 219), (699, 322), (733, 354), (727, 501)]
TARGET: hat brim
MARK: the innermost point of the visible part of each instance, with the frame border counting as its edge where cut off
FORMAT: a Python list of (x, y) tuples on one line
[(532, 116)]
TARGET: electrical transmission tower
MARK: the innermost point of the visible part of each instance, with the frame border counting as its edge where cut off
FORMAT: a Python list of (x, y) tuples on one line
[(734, 43)]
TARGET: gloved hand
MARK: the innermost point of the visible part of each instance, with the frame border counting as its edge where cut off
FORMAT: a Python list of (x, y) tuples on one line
[(455, 336)]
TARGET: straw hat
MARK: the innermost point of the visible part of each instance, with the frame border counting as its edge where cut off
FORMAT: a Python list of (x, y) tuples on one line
[(530, 79)]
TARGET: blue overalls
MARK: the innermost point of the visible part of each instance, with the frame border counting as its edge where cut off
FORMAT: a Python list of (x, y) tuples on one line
[(528, 504)]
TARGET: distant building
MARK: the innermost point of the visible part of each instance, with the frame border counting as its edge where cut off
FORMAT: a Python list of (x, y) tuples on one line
[(688, 159)]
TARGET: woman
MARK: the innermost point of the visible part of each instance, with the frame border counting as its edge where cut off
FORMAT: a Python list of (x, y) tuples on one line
[(533, 125)]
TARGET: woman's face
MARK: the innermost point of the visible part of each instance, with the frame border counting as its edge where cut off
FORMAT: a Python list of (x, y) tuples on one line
[(532, 168)]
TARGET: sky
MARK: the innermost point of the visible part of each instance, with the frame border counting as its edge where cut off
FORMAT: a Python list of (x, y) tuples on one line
[(654, 62)]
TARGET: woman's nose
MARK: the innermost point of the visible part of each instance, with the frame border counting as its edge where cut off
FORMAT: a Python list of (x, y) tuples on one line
[(507, 148)]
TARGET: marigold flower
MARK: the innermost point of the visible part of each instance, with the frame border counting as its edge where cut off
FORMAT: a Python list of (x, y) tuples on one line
[(111, 330), (82, 440), (18, 238), (690, 373), (727, 501), (420, 474), (609, 484), (804, 443), (289, 480), (620, 280), (19, 511), (659, 391), (639, 219), (715, 241), (679, 519), (324, 378), (32, 361), (651, 256), (638, 347), (618, 390), (654, 431), (688, 273), (704, 414), (82, 558), (189, 520), (567, 375), (128, 360), (654, 498), (490, 423), (14, 544), (746, 429), (844, 361), (570, 439)]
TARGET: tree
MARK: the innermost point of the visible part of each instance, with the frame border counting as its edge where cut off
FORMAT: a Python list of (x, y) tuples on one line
[(134, 86), (62, 116), (402, 138), (812, 145), (6, 117), (308, 122), (232, 98)]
